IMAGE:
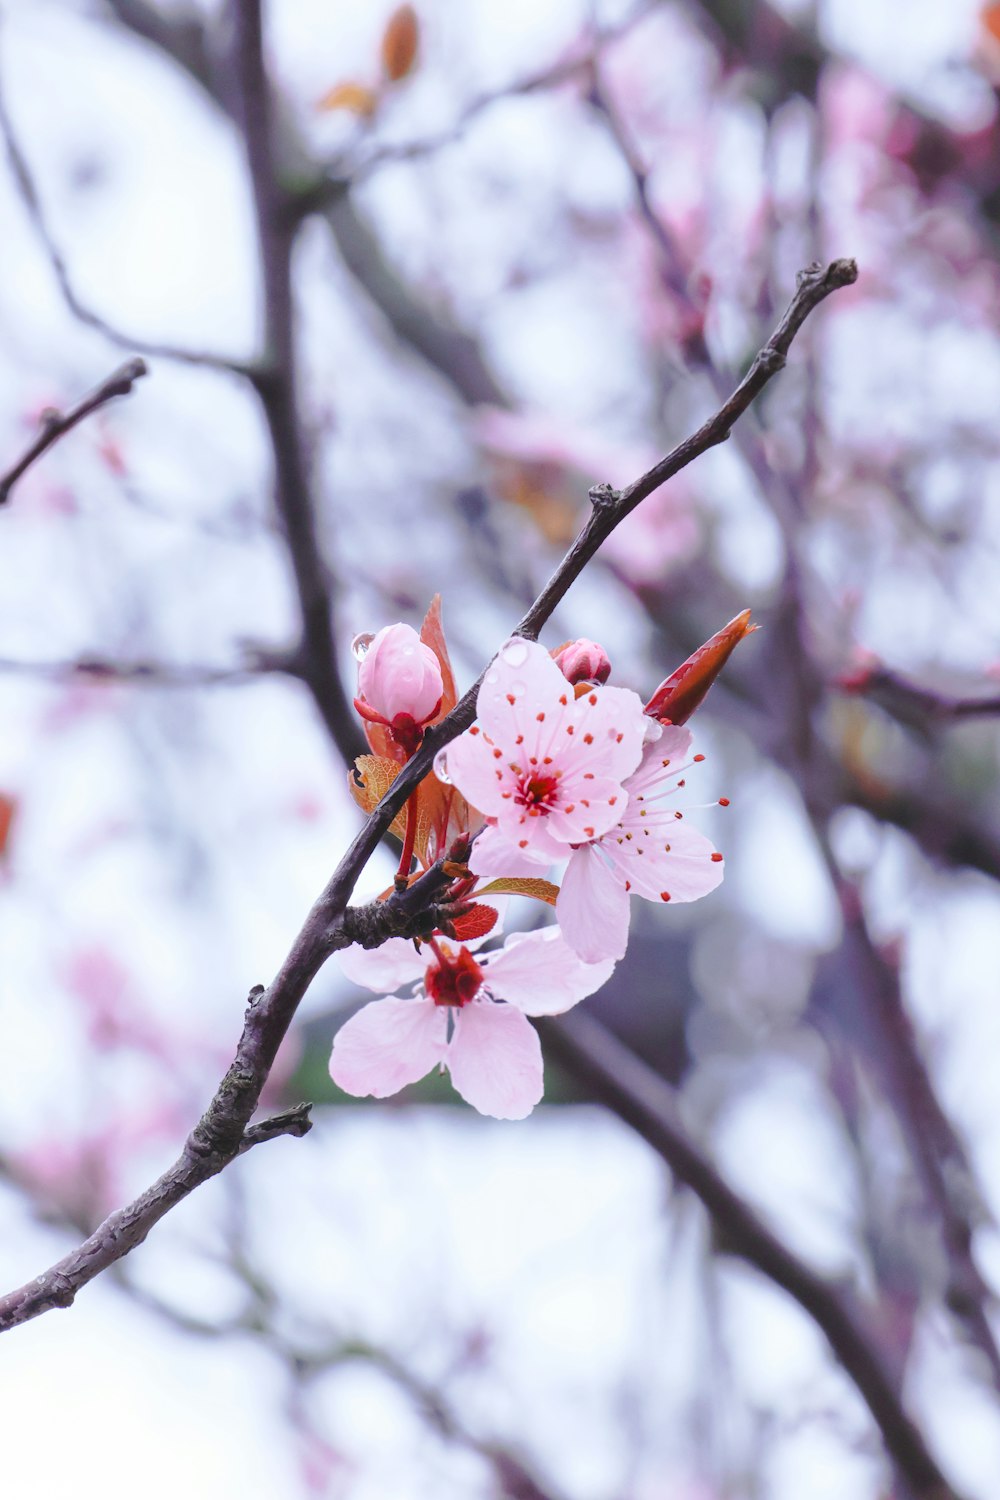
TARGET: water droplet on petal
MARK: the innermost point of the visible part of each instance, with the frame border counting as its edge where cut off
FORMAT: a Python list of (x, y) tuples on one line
[(441, 767), (515, 652), (492, 676), (360, 644)]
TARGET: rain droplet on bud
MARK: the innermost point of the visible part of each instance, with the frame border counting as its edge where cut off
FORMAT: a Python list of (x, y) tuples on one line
[(441, 767), (360, 644), (514, 652)]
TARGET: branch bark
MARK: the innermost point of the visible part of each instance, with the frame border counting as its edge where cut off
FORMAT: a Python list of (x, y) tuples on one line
[(218, 1137), (55, 424)]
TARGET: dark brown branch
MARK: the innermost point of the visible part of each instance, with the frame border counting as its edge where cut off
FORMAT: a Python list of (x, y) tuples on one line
[(55, 424), (620, 1080), (217, 1137), (277, 385)]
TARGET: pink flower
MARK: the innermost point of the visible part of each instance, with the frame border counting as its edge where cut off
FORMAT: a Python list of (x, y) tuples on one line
[(399, 682), (583, 661), (470, 1016), (651, 852), (546, 768)]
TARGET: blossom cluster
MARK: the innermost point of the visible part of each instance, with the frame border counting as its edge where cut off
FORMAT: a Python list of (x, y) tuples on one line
[(560, 774)]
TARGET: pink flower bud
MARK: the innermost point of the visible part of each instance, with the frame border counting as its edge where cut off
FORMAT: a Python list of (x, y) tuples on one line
[(399, 680), (583, 661)]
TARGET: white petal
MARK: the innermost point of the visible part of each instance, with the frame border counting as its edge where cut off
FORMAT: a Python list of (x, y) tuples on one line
[(387, 1045), (592, 908), (382, 969), (540, 974), (495, 1060)]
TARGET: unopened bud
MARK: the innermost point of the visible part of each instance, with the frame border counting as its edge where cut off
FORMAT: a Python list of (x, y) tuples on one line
[(399, 680), (583, 661), (676, 698)]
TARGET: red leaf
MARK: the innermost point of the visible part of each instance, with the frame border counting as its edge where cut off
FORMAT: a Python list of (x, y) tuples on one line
[(676, 699), (476, 923), (400, 41)]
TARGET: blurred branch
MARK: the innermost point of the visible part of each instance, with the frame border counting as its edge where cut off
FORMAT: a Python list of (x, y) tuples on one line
[(913, 704), (627, 1086), (938, 1156), (277, 382), (148, 673), (331, 924), (28, 191), (55, 424)]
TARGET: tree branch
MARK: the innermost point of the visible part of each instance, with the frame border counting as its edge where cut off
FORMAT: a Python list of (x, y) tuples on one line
[(277, 386), (55, 424), (620, 1080), (31, 199), (912, 704), (218, 1136)]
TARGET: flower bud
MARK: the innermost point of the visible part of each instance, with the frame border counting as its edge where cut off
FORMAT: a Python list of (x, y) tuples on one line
[(676, 698), (399, 680), (583, 661)]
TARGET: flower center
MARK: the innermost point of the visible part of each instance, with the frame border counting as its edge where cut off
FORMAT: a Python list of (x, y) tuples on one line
[(537, 794), (454, 978)]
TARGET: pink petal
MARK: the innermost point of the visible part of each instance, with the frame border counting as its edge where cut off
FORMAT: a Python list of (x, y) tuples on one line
[(400, 675), (522, 682), (614, 717), (494, 854), (592, 908), (473, 768), (382, 969), (495, 1060), (540, 974), (666, 858), (387, 1045)]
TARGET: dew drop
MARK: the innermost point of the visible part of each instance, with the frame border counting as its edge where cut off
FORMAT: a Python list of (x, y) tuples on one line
[(441, 767), (491, 677), (360, 644), (514, 652)]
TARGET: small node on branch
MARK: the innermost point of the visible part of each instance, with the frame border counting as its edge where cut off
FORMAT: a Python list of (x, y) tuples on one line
[(603, 496), (253, 998), (769, 362)]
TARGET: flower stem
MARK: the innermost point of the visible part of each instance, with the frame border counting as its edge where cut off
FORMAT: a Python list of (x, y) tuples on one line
[(409, 838)]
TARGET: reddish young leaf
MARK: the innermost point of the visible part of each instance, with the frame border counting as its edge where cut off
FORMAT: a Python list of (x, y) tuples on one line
[(432, 634), (8, 807), (400, 41), (522, 885), (356, 98), (676, 699), (475, 923)]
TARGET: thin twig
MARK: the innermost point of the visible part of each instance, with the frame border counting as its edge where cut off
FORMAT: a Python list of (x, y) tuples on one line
[(217, 1137), (55, 424), (101, 669), (31, 199)]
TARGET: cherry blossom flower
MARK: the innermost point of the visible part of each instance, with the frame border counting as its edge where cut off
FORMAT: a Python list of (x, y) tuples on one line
[(399, 682), (651, 852), (544, 767), (469, 1016)]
